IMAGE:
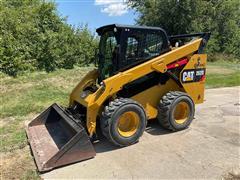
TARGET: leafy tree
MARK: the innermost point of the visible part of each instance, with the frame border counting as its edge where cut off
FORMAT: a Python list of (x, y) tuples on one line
[(34, 37), (221, 17)]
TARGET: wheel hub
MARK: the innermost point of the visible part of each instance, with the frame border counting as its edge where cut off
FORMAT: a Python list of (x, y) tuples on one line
[(181, 112), (128, 124)]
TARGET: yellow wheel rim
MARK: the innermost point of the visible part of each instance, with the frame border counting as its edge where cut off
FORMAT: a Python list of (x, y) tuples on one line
[(128, 124), (181, 112)]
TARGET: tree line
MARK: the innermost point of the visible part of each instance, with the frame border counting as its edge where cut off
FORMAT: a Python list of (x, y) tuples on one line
[(34, 37), (220, 17)]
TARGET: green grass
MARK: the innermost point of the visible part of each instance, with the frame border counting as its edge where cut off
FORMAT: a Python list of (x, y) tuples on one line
[(39, 87), (223, 74), (23, 102), (14, 137), (31, 94), (228, 80), (24, 97), (30, 174)]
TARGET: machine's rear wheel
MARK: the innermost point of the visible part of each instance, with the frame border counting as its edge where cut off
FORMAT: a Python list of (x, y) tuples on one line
[(123, 121), (176, 111)]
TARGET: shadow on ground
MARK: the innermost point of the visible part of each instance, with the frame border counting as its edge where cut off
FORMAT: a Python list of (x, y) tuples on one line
[(155, 129), (103, 145)]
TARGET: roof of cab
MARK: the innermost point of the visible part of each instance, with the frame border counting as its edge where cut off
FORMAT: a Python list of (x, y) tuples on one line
[(111, 26)]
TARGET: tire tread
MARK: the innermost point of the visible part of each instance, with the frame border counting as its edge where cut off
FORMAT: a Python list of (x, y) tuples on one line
[(164, 108), (108, 112)]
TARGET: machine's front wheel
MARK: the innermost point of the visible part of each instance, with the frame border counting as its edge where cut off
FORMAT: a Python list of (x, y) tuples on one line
[(176, 111), (123, 121)]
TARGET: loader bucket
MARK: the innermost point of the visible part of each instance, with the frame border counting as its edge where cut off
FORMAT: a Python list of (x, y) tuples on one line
[(56, 139)]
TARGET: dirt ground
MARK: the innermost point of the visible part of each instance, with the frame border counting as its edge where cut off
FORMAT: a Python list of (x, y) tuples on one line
[(209, 149), (17, 165)]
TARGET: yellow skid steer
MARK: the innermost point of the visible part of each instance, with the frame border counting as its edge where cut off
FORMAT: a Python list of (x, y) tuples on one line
[(142, 74)]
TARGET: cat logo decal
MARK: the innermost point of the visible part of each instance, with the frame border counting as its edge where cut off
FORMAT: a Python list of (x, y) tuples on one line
[(193, 75), (188, 76)]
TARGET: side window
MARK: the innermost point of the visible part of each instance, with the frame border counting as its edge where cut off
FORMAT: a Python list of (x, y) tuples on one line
[(107, 51), (142, 46), (154, 43), (132, 47), (111, 44)]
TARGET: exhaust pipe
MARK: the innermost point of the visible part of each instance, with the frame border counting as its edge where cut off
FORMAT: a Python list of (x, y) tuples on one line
[(56, 139)]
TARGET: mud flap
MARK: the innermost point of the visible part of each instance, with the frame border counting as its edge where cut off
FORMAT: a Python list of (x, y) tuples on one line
[(56, 139)]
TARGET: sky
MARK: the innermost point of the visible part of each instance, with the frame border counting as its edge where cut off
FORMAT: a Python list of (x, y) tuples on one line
[(96, 13)]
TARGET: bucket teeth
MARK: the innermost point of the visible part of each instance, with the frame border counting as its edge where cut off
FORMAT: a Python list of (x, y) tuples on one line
[(56, 139)]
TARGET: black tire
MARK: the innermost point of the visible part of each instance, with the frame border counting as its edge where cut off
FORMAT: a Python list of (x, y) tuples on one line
[(111, 114), (167, 108)]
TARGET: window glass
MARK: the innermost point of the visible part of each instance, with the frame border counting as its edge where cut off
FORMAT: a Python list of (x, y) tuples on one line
[(108, 45), (132, 46), (141, 46), (153, 44), (111, 44)]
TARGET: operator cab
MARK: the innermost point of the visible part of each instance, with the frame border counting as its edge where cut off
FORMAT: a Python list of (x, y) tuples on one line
[(123, 46)]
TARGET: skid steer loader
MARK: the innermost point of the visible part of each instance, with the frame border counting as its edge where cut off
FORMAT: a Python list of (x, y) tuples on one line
[(142, 74)]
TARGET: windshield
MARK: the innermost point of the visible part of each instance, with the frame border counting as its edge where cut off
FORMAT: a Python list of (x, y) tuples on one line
[(107, 54)]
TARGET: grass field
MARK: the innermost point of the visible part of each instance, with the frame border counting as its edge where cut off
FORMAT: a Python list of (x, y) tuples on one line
[(24, 97), (222, 74)]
